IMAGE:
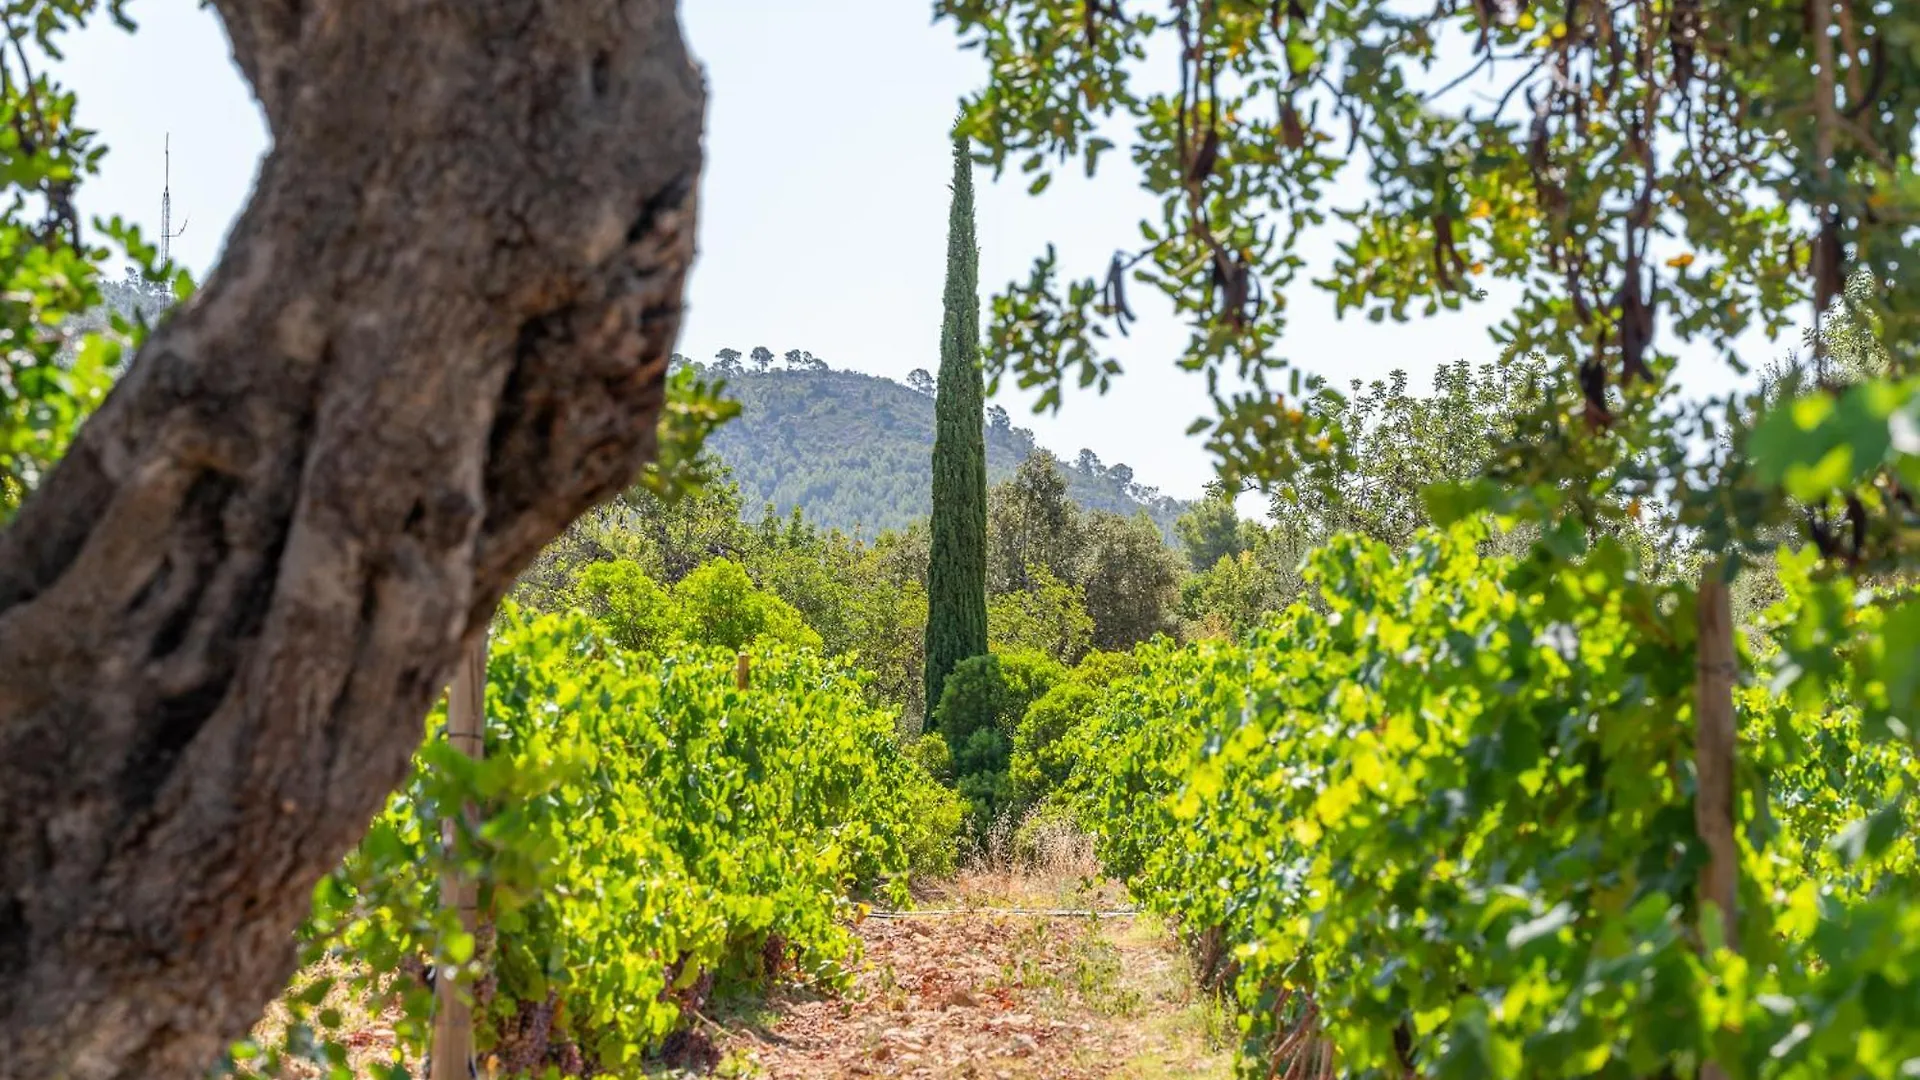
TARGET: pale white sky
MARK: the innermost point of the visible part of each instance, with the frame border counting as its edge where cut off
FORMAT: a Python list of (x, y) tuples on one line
[(823, 211)]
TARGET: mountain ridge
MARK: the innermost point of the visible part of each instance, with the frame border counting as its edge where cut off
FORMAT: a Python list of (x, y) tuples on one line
[(854, 451)]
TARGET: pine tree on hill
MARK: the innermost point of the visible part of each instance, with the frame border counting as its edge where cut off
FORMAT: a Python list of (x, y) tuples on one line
[(957, 568)]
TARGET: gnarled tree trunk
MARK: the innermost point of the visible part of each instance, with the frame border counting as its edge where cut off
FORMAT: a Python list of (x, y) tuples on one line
[(439, 333)]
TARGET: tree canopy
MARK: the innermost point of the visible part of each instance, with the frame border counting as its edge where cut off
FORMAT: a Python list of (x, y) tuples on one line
[(1649, 176)]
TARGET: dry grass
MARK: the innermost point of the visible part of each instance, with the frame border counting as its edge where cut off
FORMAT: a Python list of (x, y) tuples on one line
[(1041, 860), (367, 1032)]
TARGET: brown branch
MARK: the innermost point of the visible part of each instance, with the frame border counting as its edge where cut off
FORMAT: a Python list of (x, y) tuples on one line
[(1867, 143), (1715, 750), (1486, 58), (1876, 84), (1187, 61), (1521, 83), (28, 143)]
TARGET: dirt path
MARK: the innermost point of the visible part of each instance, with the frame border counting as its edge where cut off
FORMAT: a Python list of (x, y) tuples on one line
[(990, 996)]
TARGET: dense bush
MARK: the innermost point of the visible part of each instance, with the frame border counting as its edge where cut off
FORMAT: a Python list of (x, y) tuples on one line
[(650, 835), (931, 752), (632, 608), (984, 699), (1041, 759), (722, 607), (715, 605), (1045, 753), (1439, 825)]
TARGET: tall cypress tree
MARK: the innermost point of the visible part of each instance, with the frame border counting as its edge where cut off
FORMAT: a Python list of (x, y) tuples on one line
[(957, 574)]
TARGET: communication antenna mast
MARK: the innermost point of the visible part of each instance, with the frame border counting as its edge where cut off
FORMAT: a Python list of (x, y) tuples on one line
[(167, 235)]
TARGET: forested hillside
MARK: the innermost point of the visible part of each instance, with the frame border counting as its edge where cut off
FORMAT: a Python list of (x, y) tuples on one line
[(853, 451)]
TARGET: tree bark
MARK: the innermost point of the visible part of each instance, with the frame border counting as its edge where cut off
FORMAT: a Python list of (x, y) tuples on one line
[(1715, 748), (439, 332)]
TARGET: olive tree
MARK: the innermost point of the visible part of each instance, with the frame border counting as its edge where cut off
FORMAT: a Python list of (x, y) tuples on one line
[(439, 332)]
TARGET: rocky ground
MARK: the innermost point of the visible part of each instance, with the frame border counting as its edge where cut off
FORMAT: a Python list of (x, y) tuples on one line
[(984, 994)]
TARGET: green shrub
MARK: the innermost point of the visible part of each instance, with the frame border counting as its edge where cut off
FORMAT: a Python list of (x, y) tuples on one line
[(931, 752), (716, 605), (1101, 668), (1048, 741), (721, 606), (1048, 616), (1028, 673), (630, 606), (983, 701), (1041, 754), (933, 815)]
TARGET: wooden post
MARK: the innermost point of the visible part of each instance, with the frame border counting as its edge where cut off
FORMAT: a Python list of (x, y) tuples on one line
[(466, 728), (742, 671), (1714, 750)]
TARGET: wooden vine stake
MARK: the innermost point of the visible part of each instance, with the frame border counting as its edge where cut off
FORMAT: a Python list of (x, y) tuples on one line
[(1714, 750), (742, 672), (453, 1013)]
